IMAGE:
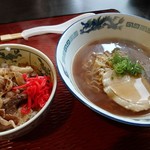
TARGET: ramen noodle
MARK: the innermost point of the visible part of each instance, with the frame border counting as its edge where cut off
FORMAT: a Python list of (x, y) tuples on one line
[(103, 82)]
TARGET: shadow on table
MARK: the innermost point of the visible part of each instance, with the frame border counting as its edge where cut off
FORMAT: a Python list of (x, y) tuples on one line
[(138, 139), (142, 7)]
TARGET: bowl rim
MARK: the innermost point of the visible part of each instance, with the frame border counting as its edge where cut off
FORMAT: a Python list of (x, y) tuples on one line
[(91, 105), (39, 113)]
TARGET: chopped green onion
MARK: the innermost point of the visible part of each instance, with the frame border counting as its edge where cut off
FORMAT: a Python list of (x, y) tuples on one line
[(123, 65)]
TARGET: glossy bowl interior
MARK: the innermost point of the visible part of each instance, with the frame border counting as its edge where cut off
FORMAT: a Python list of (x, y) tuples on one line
[(98, 27), (18, 53)]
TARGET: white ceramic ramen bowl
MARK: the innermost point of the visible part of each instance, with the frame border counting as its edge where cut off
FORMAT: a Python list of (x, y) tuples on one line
[(98, 27), (18, 53)]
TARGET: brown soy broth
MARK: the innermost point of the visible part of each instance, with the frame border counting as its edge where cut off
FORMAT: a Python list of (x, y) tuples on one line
[(100, 98)]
